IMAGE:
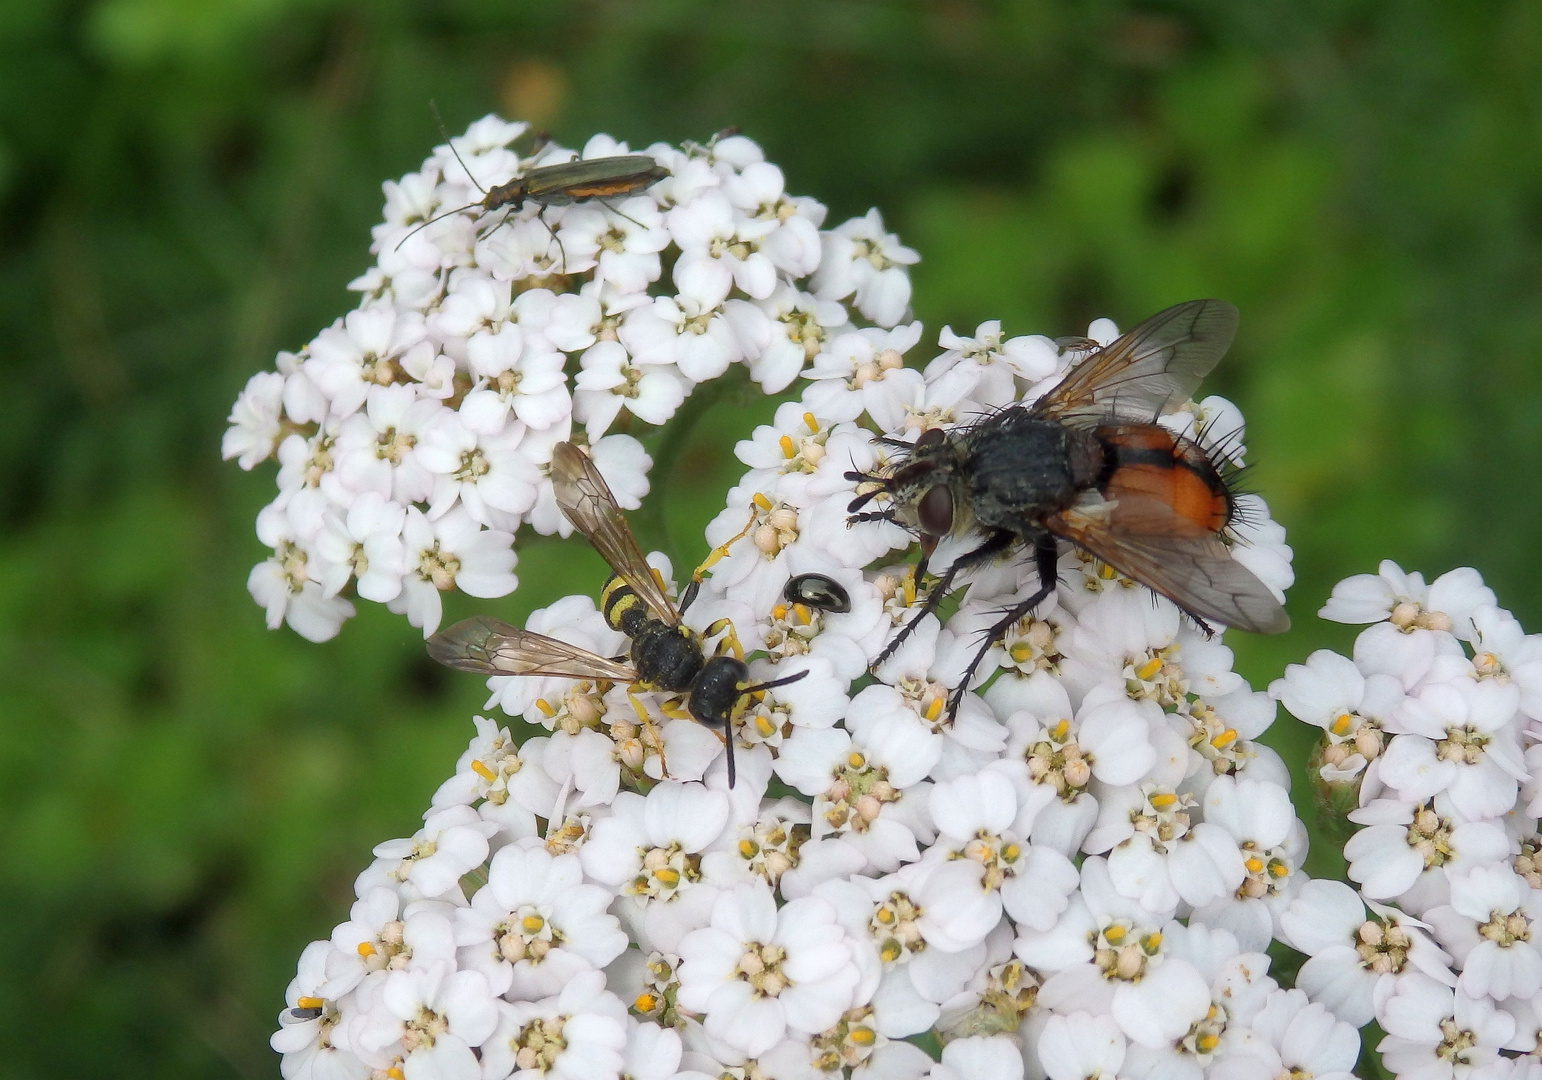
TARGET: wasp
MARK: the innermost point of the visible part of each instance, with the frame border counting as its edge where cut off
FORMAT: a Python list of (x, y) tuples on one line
[(665, 655), (1087, 463)]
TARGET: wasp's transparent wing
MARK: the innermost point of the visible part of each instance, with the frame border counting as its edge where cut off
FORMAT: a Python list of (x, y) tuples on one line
[(489, 647), (1146, 540), (586, 500), (1149, 371)]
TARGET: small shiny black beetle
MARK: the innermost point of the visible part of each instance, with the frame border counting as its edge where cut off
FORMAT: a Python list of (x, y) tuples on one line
[(817, 591)]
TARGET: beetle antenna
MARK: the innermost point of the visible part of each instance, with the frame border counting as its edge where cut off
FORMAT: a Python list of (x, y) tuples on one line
[(439, 120), (436, 217), (451, 143)]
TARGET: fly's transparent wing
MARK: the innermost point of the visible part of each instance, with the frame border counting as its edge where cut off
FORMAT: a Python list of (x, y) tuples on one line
[(586, 500), (1146, 540), (489, 647), (1149, 371)]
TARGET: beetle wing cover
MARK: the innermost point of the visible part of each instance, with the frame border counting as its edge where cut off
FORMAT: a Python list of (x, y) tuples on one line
[(592, 178)]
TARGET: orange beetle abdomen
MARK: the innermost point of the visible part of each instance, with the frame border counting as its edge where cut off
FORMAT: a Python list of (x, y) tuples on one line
[(600, 190)]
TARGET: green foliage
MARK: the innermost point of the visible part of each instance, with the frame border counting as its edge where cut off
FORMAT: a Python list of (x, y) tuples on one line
[(185, 188)]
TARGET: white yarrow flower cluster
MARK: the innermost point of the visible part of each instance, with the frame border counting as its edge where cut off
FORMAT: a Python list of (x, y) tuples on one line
[(1075, 876), (414, 435), (1431, 732)]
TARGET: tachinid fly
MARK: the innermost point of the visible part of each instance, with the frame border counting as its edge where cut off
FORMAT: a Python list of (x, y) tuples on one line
[(1087, 463)]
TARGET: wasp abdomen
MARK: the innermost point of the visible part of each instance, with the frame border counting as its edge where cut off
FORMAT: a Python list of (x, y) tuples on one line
[(1150, 461), (621, 607)]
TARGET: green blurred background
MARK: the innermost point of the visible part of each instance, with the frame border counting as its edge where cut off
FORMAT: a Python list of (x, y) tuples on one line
[(186, 185)]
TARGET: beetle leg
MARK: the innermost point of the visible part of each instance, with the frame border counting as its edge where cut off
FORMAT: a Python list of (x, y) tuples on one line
[(607, 205)]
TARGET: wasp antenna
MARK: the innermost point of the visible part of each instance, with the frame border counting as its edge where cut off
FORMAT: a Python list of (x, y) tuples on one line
[(773, 683), (732, 772), (451, 144)]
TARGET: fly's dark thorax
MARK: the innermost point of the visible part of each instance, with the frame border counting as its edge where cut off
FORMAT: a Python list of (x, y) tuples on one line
[(1022, 467), (717, 690)]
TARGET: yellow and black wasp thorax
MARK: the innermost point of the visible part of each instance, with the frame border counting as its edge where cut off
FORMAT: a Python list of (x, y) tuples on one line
[(666, 657)]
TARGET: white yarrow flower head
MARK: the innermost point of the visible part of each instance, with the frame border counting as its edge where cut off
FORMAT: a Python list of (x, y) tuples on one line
[(1071, 865), (1427, 728), (920, 868), (491, 326), (755, 970)]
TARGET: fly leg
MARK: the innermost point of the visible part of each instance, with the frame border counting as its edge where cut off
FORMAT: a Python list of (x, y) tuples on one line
[(1045, 558), (997, 542)]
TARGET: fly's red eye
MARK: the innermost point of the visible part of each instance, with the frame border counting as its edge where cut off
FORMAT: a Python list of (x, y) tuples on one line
[(936, 511), (931, 437)]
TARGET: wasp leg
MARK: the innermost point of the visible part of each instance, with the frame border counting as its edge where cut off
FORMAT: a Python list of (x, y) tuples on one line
[(1045, 558), (759, 503), (686, 598), (994, 544), (730, 642), (652, 730)]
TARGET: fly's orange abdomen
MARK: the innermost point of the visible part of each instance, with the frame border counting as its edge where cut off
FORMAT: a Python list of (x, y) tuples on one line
[(1151, 462)]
